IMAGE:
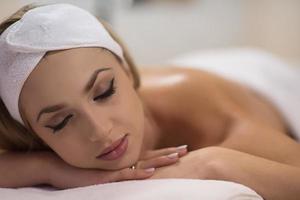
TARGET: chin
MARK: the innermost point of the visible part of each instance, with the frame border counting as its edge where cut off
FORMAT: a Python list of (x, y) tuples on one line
[(116, 165)]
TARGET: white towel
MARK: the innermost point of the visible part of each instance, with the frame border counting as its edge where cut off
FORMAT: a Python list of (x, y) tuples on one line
[(47, 28)]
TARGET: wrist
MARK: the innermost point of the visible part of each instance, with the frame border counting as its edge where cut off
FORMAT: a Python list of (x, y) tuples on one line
[(45, 162)]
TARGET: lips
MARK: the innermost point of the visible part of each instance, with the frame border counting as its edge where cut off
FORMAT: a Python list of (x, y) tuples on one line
[(112, 147)]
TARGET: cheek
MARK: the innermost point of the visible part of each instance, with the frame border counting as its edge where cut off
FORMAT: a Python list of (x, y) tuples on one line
[(68, 147), (132, 110), (129, 115), (75, 153)]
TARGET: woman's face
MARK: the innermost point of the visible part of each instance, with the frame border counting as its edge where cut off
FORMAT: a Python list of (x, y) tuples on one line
[(79, 101)]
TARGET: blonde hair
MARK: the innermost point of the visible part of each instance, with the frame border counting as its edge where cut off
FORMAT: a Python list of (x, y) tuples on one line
[(13, 135)]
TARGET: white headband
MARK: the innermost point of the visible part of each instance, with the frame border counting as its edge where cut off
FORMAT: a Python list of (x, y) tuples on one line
[(42, 29)]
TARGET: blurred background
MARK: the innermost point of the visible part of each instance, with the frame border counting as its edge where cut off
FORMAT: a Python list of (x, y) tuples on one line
[(157, 30)]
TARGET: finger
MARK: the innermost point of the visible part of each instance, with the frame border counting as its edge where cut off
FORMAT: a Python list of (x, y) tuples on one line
[(128, 174), (182, 150), (159, 162)]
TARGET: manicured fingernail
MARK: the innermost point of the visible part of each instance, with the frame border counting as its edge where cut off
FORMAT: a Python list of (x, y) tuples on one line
[(182, 147), (149, 170), (173, 155)]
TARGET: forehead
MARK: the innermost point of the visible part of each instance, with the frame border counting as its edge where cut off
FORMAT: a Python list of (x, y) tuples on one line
[(60, 72), (81, 59), (69, 65)]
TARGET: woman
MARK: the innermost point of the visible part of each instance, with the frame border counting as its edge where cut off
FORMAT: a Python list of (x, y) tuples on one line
[(99, 116)]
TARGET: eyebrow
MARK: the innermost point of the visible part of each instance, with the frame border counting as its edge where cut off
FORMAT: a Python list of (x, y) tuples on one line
[(88, 87)]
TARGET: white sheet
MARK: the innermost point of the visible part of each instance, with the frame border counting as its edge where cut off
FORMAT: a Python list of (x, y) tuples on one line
[(159, 189)]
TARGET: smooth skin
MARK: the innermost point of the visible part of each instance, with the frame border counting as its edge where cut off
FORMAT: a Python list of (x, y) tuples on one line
[(232, 132)]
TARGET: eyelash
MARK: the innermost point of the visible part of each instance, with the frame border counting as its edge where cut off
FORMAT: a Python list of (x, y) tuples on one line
[(109, 92)]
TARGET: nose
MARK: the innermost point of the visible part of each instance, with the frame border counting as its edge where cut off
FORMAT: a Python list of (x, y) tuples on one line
[(100, 130), (100, 127)]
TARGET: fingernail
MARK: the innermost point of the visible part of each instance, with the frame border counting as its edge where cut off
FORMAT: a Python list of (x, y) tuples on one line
[(173, 155), (149, 170), (182, 147)]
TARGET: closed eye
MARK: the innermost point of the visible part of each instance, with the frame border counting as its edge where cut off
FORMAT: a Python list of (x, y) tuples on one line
[(60, 125), (109, 92)]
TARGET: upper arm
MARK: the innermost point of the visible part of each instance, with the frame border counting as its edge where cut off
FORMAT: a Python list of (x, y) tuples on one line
[(258, 139)]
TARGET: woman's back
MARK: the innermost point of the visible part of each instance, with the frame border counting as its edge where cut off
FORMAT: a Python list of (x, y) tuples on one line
[(191, 100)]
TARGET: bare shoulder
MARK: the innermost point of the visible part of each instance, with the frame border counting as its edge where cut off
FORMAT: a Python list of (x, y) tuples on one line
[(185, 89), (172, 84), (207, 101), (171, 78), (200, 87), (191, 99)]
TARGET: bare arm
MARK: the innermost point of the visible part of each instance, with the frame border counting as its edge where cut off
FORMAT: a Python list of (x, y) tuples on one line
[(271, 179), (267, 160), (261, 158), (19, 169), (254, 138)]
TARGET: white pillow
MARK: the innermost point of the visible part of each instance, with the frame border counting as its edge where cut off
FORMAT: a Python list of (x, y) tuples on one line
[(159, 189)]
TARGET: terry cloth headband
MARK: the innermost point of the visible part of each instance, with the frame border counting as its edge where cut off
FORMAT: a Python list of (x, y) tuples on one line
[(42, 29)]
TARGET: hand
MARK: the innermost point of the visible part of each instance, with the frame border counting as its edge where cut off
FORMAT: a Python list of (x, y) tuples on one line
[(62, 175), (161, 157), (198, 164)]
